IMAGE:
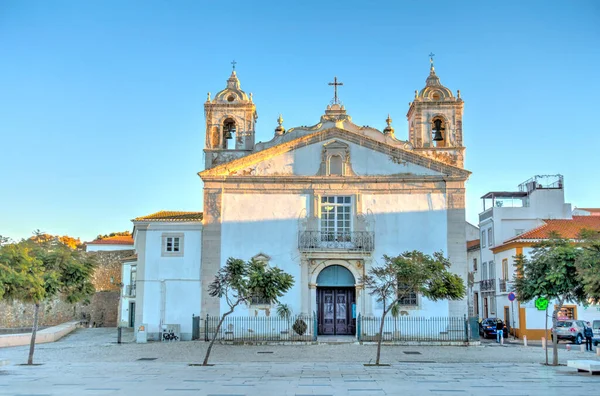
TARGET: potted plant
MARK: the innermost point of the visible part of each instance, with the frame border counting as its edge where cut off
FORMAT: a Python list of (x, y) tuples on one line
[(284, 311)]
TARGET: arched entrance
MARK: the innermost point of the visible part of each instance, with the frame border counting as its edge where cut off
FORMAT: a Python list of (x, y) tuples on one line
[(336, 301)]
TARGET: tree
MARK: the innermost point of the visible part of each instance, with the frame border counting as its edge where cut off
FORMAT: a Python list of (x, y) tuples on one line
[(240, 282), (411, 272), (550, 272), (33, 271), (588, 264)]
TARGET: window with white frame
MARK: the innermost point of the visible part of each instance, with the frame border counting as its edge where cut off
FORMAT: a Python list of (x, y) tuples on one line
[(483, 233), (336, 218), (172, 244), (490, 237), (484, 271), (505, 269)]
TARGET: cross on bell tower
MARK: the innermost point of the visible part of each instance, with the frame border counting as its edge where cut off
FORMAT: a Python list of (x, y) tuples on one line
[(335, 84)]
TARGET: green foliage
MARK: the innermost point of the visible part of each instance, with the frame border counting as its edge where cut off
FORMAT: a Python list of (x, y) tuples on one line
[(550, 272), (284, 311), (239, 281), (42, 267), (112, 234), (33, 272), (588, 264), (411, 272), (299, 326)]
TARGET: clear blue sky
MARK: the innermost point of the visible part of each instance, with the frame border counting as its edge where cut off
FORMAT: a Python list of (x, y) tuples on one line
[(101, 102)]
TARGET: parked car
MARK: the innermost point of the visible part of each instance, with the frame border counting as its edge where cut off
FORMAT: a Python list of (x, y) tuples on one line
[(487, 327), (596, 328), (571, 330)]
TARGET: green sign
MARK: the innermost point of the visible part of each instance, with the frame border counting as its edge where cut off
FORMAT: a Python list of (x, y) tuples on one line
[(541, 304)]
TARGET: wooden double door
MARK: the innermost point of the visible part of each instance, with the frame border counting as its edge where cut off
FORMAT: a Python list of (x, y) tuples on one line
[(336, 310)]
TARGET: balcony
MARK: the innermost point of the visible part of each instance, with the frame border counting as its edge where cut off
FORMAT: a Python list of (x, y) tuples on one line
[(502, 284), (130, 290), (487, 285), (357, 241)]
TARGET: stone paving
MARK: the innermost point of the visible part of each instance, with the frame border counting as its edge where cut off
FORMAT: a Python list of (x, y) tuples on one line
[(89, 362)]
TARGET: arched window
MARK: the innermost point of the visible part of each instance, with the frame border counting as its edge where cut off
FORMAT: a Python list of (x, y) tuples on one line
[(229, 130), (439, 131), (336, 166)]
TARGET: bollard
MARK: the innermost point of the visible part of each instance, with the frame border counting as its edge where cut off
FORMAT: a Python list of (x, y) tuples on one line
[(597, 351), (568, 347), (524, 340), (501, 340), (582, 347), (119, 330), (543, 342)]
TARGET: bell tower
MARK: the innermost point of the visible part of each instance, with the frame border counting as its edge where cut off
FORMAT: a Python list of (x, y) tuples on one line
[(230, 119), (435, 121)]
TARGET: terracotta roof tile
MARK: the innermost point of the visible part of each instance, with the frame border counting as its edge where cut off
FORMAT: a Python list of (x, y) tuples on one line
[(168, 215), (566, 228), (114, 240), (473, 245)]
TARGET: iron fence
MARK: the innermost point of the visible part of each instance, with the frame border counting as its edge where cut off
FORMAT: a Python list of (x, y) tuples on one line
[(254, 328), (413, 328), (363, 241)]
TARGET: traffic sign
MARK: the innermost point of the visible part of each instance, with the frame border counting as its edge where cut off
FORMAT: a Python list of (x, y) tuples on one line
[(511, 296)]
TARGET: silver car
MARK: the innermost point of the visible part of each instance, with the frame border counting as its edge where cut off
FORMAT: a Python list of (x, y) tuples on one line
[(596, 328), (570, 330)]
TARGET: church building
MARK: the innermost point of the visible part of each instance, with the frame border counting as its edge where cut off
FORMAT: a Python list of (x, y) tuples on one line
[(324, 203)]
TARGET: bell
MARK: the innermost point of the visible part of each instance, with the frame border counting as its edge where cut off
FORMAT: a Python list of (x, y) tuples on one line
[(437, 129), (228, 132)]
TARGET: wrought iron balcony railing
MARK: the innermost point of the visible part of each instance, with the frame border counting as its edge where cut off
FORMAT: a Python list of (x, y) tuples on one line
[(502, 285), (362, 241), (130, 290), (488, 285)]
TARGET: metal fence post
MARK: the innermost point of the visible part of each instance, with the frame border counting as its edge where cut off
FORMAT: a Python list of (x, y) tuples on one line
[(119, 331), (315, 326), (206, 328), (358, 326)]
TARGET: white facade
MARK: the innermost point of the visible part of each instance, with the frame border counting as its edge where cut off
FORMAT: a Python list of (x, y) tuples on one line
[(128, 292), (168, 283), (329, 196)]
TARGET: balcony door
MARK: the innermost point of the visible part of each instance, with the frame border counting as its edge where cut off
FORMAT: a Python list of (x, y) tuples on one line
[(336, 224)]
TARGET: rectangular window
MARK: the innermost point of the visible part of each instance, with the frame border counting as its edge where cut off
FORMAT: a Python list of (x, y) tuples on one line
[(505, 269), (484, 273), (336, 218), (492, 274), (474, 264), (172, 244), (410, 298), (490, 237), (483, 238)]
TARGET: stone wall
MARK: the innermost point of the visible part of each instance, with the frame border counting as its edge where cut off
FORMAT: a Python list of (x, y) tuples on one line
[(102, 310)]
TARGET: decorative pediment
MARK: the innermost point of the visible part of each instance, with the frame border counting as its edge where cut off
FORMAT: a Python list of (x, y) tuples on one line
[(335, 159), (282, 159), (262, 258)]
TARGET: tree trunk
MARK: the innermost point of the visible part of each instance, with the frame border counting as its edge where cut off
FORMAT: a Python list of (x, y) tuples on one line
[(33, 333), (554, 337), (385, 311), (205, 363)]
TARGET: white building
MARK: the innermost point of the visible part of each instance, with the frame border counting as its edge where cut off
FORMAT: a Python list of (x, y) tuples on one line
[(128, 291), (323, 202), (114, 243), (510, 224)]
